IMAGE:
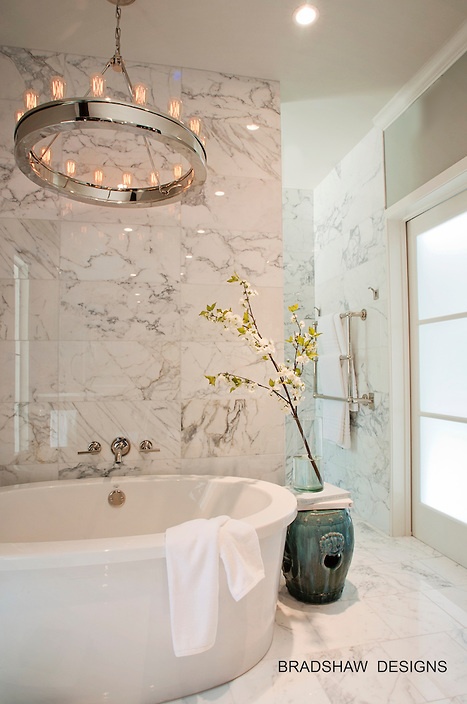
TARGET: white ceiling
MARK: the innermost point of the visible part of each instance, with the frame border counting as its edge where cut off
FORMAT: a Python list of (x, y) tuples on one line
[(335, 75)]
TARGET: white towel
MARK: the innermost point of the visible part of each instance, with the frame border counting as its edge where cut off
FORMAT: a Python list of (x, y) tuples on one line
[(333, 380), (193, 550)]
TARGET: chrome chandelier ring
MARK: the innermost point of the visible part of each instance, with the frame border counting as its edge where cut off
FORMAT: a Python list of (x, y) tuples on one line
[(48, 120)]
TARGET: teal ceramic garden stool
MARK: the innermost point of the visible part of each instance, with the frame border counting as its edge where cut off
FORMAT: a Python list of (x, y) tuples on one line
[(318, 551)]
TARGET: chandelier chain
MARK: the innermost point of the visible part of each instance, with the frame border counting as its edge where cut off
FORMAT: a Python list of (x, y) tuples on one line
[(118, 31)]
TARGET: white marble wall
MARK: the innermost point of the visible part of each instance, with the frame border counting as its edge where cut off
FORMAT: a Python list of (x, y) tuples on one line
[(350, 256), (99, 328)]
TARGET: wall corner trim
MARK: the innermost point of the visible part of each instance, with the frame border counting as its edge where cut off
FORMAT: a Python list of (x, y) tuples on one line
[(423, 79)]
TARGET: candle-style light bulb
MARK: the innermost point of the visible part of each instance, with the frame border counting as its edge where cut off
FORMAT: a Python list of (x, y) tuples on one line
[(70, 167), (57, 88), (140, 94), (175, 108), (154, 179), (177, 171), (18, 115), (98, 177), (97, 82), (31, 99), (46, 156), (126, 180), (194, 123)]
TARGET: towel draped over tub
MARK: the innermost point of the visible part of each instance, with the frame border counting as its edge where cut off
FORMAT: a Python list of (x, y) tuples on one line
[(194, 550)]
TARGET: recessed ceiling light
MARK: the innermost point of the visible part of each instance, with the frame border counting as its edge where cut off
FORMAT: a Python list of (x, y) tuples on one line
[(252, 127), (188, 256), (219, 193), (127, 229), (305, 14), (200, 232)]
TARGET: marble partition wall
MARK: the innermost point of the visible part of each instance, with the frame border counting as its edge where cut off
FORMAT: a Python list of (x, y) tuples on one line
[(350, 256), (100, 333), (299, 287)]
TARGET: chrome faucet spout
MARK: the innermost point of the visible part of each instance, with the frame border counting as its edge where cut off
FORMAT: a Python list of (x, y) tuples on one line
[(120, 447)]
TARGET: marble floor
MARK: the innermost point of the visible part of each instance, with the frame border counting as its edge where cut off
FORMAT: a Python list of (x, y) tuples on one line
[(403, 603)]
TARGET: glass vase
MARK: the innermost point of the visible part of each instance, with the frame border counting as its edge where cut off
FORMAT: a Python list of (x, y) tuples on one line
[(304, 477)]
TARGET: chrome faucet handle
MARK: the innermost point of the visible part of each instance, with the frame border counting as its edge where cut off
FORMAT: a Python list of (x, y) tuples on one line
[(93, 448), (120, 447), (146, 446)]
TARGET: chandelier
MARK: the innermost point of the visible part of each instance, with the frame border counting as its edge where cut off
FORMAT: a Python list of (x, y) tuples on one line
[(95, 149)]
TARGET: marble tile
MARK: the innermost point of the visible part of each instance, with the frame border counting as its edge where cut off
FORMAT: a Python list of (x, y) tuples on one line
[(119, 370), (333, 625), (29, 249), (224, 96), (24, 474), (435, 648), (119, 252), (27, 437), (216, 356), (29, 311), (8, 109), (21, 198), (446, 568), (411, 614), (453, 600), (267, 306), (253, 205), (233, 149), (164, 215), (127, 310), (231, 427), (211, 256), (30, 371), (136, 467), (268, 467)]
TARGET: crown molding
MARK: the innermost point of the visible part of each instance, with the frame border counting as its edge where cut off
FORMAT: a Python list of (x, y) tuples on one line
[(423, 79)]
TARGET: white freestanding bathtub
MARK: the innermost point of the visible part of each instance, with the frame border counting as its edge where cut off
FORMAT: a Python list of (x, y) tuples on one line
[(84, 612)]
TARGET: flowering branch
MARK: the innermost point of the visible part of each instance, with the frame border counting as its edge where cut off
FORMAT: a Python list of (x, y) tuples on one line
[(286, 384)]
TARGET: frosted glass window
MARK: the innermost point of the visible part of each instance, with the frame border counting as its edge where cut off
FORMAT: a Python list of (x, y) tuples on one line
[(443, 368), (442, 267), (443, 464)]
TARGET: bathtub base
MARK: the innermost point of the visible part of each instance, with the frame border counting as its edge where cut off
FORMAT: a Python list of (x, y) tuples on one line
[(94, 634), (84, 604)]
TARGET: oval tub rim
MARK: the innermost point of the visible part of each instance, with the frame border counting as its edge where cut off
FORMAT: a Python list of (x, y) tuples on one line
[(134, 548)]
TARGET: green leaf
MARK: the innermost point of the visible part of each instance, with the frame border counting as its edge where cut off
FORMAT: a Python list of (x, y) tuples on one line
[(293, 308), (211, 379)]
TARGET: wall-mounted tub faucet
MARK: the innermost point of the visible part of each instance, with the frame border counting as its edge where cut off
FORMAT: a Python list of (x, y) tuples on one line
[(120, 447), (93, 448), (146, 446)]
